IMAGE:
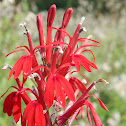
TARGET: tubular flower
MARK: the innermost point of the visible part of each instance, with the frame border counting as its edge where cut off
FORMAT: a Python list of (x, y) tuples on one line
[(61, 86), (12, 105), (24, 64), (53, 80), (33, 115)]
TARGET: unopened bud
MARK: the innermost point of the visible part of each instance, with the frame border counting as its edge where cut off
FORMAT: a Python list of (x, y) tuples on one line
[(23, 25)]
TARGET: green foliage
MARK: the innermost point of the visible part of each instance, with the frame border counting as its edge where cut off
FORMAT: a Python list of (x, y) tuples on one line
[(45, 4)]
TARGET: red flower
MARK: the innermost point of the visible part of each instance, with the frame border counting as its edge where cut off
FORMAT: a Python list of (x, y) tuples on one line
[(52, 79), (79, 59), (96, 118), (61, 86), (12, 105), (33, 115), (76, 83), (24, 64), (79, 103)]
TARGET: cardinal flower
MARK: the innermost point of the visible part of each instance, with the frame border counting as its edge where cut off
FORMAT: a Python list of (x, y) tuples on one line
[(75, 107), (33, 115), (53, 78), (61, 86), (24, 64), (12, 105)]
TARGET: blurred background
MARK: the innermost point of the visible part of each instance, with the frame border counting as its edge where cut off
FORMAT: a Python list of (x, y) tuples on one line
[(105, 21)]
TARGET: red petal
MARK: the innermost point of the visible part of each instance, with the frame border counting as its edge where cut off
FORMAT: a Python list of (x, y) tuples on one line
[(39, 116), (19, 68), (24, 47), (80, 85), (27, 66), (31, 117), (88, 115), (67, 87), (85, 63), (26, 113), (49, 91), (60, 93), (96, 118), (77, 64), (15, 66), (102, 104), (17, 109), (8, 103), (17, 51)]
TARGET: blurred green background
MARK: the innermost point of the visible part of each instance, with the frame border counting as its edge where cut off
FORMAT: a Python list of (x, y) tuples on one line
[(105, 21)]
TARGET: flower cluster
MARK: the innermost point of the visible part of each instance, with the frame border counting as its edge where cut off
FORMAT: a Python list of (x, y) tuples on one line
[(53, 78)]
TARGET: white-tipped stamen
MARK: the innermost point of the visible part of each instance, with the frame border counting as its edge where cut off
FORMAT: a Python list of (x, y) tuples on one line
[(44, 111), (84, 81), (82, 29), (34, 75), (7, 66), (82, 20), (89, 37), (23, 25), (102, 80), (58, 48)]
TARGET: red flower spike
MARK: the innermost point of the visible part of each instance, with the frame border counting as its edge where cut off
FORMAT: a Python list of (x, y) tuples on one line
[(51, 77), (33, 113)]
